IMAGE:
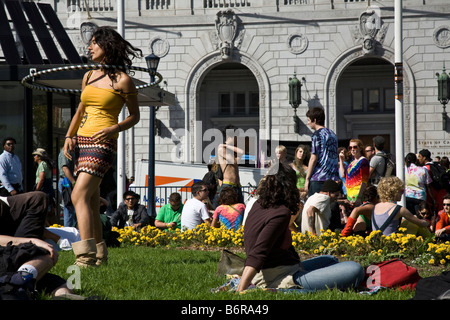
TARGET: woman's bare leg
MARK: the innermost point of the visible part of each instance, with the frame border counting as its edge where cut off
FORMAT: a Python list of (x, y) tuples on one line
[(86, 201)]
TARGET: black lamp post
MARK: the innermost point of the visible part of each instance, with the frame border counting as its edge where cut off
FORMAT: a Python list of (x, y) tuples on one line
[(443, 94), (152, 64), (295, 98)]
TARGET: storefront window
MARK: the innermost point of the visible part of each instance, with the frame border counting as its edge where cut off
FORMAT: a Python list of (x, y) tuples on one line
[(11, 121)]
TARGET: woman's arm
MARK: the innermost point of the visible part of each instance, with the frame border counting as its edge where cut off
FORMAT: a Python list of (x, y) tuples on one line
[(74, 124), (246, 279), (341, 165), (412, 218)]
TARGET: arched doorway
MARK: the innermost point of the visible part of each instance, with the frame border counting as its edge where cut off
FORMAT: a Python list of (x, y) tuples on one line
[(376, 71), (229, 100), (365, 103), (241, 69)]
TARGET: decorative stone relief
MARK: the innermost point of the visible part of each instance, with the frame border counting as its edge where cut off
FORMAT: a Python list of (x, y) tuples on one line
[(297, 43), (370, 31), (87, 30), (441, 37), (159, 46), (226, 30)]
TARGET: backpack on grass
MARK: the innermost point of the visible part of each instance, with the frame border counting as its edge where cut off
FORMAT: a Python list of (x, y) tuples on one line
[(392, 274)]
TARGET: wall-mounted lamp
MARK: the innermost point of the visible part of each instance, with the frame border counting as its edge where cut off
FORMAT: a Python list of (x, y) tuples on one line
[(443, 94), (295, 99)]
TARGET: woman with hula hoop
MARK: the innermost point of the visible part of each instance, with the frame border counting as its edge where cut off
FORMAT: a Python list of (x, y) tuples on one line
[(96, 127)]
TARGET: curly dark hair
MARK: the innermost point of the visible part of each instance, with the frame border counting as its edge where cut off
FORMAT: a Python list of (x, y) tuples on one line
[(228, 196), (279, 187), (117, 49)]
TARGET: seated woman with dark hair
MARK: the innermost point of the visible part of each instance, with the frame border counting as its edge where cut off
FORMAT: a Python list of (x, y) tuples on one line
[(229, 212), (272, 261)]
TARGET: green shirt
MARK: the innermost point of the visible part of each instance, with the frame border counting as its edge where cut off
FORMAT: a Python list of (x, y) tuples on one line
[(167, 215), (43, 167)]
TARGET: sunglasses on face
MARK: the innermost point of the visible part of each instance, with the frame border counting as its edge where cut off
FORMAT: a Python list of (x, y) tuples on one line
[(446, 204), (129, 199), (352, 147)]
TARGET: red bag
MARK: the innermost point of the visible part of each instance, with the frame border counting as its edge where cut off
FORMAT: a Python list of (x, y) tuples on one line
[(392, 274)]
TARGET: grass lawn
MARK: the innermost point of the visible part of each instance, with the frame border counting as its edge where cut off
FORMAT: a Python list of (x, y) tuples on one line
[(142, 273), (176, 283)]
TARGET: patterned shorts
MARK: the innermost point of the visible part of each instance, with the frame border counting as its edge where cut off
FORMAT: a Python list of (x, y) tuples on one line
[(94, 157)]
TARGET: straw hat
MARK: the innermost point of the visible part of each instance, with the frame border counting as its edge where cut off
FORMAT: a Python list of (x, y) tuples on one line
[(40, 152)]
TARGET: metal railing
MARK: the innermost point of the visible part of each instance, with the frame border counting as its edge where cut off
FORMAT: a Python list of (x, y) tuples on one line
[(91, 5), (184, 7), (158, 4), (295, 2), (225, 3)]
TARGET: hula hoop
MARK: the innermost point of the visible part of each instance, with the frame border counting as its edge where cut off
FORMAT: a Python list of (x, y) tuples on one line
[(31, 77)]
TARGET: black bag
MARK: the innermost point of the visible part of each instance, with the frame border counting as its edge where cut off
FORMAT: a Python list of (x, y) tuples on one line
[(390, 165), (433, 288), (440, 177)]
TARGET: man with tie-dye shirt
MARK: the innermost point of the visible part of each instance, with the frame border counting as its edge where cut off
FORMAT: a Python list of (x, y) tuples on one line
[(323, 163)]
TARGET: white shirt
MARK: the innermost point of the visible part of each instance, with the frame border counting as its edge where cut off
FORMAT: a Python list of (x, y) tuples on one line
[(194, 213), (322, 220), (10, 170)]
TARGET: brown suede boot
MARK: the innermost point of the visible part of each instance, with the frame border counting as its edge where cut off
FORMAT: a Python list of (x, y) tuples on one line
[(102, 253), (85, 252)]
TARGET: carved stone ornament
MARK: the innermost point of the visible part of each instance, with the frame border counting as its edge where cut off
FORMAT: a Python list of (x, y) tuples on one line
[(159, 46), (87, 30), (226, 27), (369, 22), (369, 25), (441, 37), (297, 43)]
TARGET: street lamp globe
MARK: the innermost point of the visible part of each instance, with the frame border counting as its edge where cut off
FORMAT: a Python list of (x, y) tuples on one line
[(295, 89), (152, 61)]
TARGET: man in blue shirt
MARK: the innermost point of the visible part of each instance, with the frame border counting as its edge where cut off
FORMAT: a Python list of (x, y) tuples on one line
[(324, 163), (10, 169)]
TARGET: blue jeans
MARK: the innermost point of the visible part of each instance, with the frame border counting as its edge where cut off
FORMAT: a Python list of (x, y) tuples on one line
[(325, 272), (70, 217)]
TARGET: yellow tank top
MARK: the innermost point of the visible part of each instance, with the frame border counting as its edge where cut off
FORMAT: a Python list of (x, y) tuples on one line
[(102, 109)]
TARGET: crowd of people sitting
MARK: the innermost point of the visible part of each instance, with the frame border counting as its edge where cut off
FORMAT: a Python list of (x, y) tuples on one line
[(365, 196), (354, 190), (362, 195)]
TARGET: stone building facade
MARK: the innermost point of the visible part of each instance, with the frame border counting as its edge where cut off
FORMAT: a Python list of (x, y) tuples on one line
[(229, 63)]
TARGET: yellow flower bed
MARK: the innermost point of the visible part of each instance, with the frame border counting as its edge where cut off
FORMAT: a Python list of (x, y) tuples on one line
[(329, 242)]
